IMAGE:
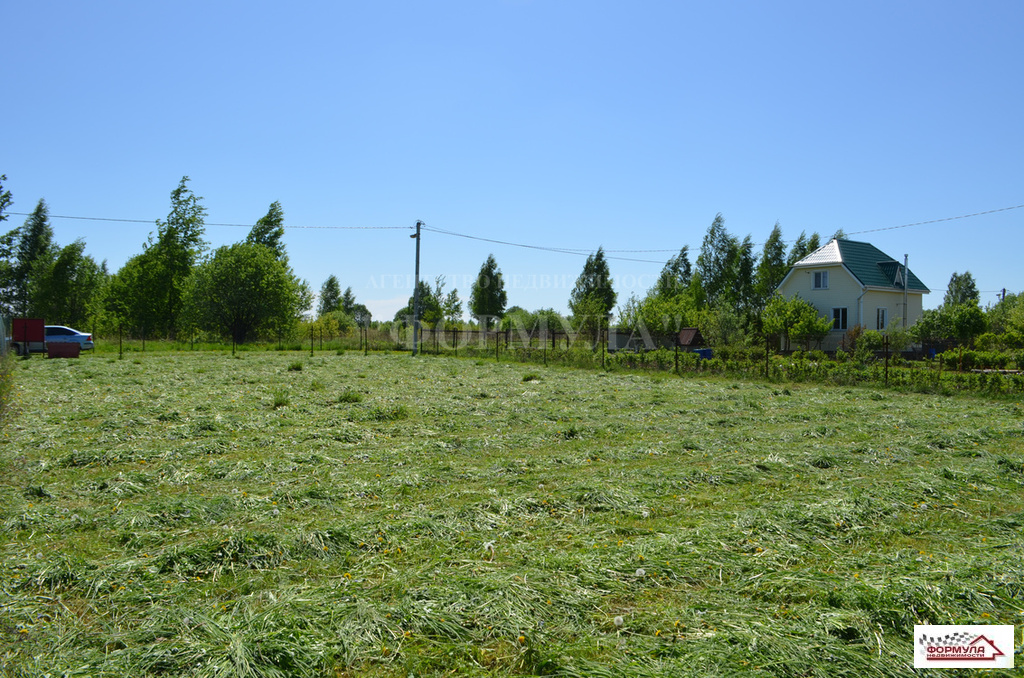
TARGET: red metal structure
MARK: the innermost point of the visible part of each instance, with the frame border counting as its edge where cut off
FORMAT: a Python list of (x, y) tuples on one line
[(28, 336)]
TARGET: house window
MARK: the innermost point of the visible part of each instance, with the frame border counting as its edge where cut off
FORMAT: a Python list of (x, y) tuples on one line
[(881, 318), (839, 318), (821, 280)]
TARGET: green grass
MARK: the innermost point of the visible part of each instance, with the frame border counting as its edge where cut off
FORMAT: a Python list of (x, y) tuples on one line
[(170, 516)]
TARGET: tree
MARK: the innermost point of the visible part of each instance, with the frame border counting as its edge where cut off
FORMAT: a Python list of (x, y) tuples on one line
[(794, 320), (744, 280), (64, 285), (593, 293), (966, 321), (5, 198), (1007, 314), (178, 245), (35, 244), (961, 290), (717, 262), (771, 268), (330, 296), (269, 230), (487, 298), (675, 277), (8, 240), (803, 246), (128, 301), (430, 307), (451, 308), (592, 299), (361, 315), (242, 290), (348, 301)]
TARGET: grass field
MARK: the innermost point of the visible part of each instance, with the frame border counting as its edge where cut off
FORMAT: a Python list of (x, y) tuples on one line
[(194, 514)]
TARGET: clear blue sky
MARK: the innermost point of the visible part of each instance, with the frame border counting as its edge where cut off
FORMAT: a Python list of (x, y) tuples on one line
[(555, 123)]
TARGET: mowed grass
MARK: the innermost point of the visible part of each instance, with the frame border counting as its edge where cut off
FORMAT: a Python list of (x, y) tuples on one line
[(196, 514)]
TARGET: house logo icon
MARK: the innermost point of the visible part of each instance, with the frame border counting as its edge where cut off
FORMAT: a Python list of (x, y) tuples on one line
[(956, 646), (976, 646)]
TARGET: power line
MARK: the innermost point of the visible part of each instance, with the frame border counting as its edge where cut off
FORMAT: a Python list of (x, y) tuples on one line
[(143, 221), (559, 250), (935, 221)]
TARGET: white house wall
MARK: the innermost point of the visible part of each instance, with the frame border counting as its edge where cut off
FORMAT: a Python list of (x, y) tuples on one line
[(844, 291)]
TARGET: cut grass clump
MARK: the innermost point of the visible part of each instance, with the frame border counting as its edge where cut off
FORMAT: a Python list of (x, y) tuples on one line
[(295, 366), (281, 399), (531, 377), (389, 413), (350, 396)]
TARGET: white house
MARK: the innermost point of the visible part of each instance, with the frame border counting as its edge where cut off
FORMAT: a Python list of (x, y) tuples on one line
[(855, 283)]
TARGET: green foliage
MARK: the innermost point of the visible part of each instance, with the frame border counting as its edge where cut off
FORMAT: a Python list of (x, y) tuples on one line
[(771, 268), (717, 263), (795, 320), (5, 198), (430, 307), (487, 299), (961, 290), (269, 231), (155, 282), (244, 289), (35, 251), (330, 296), (594, 292), (348, 301), (128, 301), (1007, 315), (675, 277), (721, 325), (593, 297), (802, 247), (63, 287)]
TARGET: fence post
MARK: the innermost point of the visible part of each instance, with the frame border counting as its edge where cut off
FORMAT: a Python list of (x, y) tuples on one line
[(885, 345)]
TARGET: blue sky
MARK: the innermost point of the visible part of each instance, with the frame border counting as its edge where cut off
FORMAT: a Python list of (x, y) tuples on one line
[(550, 123)]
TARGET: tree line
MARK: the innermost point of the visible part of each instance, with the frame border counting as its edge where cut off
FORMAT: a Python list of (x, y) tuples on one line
[(174, 285), (248, 290)]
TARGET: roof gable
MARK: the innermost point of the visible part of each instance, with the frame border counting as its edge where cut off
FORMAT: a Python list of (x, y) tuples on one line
[(869, 265)]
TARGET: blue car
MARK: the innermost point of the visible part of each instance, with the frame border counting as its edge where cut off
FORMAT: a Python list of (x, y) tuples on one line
[(58, 334)]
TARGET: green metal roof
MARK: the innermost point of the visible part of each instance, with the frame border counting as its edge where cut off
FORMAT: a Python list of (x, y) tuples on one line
[(874, 268)]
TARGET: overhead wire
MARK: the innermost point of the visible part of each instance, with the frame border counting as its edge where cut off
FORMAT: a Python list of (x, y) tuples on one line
[(558, 250), (143, 221)]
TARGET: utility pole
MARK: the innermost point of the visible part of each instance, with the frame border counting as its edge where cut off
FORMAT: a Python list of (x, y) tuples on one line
[(906, 283), (416, 295)]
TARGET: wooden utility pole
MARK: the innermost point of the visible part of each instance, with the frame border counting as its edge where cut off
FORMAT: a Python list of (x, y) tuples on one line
[(416, 294)]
